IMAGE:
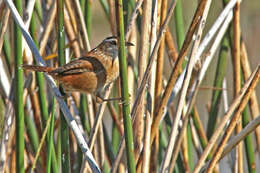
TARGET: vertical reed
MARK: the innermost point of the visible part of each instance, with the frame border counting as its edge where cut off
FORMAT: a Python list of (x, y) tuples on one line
[(19, 110), (124, 90), (64, 129)]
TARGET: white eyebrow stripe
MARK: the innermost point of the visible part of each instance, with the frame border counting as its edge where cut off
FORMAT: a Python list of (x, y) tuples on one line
[(110, 40)]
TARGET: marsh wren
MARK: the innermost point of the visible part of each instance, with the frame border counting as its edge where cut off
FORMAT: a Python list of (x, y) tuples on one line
[(90, 73)]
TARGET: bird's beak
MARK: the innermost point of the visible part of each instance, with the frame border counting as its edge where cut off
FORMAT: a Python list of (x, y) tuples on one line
[(129, 44)]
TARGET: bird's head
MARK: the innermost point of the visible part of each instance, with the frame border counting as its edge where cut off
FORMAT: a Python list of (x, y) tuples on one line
[(109, 46)]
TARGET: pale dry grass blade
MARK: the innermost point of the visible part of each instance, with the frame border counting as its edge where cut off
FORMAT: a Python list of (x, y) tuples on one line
[(147, 149), (48, 28), (138, 125), (71, 34), (98, 120), (83, 26), (4, 24), (237, 77)]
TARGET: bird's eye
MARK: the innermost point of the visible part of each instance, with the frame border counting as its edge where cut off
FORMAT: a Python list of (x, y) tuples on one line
[(113, 42)]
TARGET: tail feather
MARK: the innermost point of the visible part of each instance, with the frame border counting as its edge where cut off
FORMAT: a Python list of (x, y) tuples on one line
[(38, 68)]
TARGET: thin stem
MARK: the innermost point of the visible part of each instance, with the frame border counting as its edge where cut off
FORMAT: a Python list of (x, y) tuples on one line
[(19, 111), (65, 145), (50, 136), (88, 16), (249, 144), (142, 63), (179, 24), (237, 78), (124, 91)]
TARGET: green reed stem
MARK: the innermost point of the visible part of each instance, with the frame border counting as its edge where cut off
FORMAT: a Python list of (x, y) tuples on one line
[(179, 24), (108, 146), (88, 16), (83, 113), (115, 138), (50, 137), (124, 92), (109, 151), (126, 10), (19, 111), (249, 146), (163, 141), (64, 129), (7, 52), (32, 132), (58, 148), (38, 9)]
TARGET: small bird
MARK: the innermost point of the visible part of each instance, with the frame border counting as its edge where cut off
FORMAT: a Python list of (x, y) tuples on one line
[(90, 73)]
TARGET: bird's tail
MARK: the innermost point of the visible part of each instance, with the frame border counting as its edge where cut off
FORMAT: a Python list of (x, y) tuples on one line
[(38, 68)]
